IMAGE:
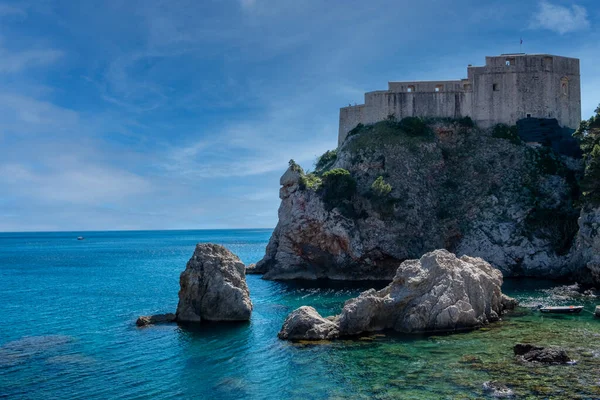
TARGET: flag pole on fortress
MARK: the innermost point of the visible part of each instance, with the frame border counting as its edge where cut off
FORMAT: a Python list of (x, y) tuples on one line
[(521, 46)]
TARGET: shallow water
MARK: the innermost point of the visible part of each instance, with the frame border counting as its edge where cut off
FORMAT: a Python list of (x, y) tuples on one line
[(69, 310)]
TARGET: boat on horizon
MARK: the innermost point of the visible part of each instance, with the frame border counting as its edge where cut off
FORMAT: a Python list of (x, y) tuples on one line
[(562, 309), (80, 238)]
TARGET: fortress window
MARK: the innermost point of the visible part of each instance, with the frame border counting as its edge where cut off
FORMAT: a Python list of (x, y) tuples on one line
[(410, 89), (564, 86), (510, 61), (439, 88), (495, 87), (547, 63)]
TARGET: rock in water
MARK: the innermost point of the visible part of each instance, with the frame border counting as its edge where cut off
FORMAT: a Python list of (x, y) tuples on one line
[(597, 312), (544, 355), (497, 389), (213, 287), (439, 292), (306, 323), (146, 320)]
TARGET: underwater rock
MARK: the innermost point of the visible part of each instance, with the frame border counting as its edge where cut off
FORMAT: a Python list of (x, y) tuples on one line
[(213, 287), (597, 312), (146, 320), (544, 355), (305, 323), (497, 389), (439, 292)]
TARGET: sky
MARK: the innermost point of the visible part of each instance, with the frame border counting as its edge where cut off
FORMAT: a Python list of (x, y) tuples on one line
[(155, 114)]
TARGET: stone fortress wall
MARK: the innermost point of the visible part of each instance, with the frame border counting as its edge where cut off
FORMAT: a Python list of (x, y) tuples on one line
[(508, 88)]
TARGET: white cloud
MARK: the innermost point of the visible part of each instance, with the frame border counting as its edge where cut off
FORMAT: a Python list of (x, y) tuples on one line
[(247, 3), (72, 183), (6, 10), (560, 19), (11, 62)]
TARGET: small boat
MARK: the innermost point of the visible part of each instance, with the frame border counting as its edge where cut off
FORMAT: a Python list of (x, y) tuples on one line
[(80, 238), (562, 309)]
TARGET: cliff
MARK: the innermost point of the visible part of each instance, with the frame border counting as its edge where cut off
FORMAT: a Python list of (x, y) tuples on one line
[(412, 187)]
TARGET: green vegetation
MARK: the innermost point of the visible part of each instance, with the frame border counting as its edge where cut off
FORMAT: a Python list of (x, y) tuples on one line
[(380, 187), (588, 135), (310, 181), (503, 131), (325, 161), (295, 167), (337, 188), (409, 132)]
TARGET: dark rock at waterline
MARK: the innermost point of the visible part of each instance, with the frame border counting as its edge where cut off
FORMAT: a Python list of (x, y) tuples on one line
[(544, 355), (497, 389), (213, 287), (252, 269), (146, 320), (597, 312)]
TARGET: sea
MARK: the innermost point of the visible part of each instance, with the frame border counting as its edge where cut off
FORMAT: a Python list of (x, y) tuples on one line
[(67, 331)]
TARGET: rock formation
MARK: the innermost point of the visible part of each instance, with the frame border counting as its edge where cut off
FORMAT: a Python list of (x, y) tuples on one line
[(439, 292), (544, 355), (146, 320), (213, 287), (306, 323), (477, 192)]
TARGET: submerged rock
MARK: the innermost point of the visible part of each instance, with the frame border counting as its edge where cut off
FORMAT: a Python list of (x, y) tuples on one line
[(213, 287), (306, 323), (544, 355), (439, 292), (146, 320), (497, 389)]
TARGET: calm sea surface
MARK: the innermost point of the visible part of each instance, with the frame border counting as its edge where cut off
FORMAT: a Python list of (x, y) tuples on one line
[(68, 311)]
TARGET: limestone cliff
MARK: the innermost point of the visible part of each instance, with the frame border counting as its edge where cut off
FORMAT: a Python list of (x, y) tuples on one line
[(483, 193)]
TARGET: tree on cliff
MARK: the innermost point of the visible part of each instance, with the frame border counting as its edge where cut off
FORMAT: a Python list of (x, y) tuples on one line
[(589, 137)]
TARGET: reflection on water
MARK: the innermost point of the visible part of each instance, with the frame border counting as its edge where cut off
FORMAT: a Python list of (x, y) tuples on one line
[(69, 332)]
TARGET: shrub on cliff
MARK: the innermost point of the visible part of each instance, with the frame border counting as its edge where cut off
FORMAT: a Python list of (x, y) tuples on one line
[(589, 137), (380, 187), (414, 126), (503, 131), (310, 181), (325, 161), (295, 167), (338, 187)]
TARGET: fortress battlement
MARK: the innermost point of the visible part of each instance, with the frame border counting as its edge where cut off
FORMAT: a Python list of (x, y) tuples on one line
[(506, 89)]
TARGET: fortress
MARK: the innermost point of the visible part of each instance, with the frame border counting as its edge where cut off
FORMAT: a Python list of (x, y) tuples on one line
[(508, 88)]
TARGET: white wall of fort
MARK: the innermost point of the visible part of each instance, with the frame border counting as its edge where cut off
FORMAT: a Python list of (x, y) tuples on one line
[(508, 88)]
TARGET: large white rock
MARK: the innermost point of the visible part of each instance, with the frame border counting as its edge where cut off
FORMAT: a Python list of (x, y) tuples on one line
[(213, 287), (305, 323), (439, 292)]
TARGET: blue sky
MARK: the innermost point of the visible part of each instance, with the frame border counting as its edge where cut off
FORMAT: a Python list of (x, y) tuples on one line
[(183, 114)]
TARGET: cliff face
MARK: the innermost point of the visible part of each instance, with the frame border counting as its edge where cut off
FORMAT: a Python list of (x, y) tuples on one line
[(480, 193)]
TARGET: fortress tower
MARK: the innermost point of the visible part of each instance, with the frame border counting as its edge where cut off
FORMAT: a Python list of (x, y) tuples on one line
[(508, 88)]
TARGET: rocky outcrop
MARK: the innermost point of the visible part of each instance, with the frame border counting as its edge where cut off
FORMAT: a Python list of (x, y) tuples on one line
[(213, 287), (544, 355), (146, 320), (587, 251), (306, 323), (439, 292), (467, 190)]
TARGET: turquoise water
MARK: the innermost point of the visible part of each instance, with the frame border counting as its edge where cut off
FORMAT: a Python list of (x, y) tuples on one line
[(68, 331)]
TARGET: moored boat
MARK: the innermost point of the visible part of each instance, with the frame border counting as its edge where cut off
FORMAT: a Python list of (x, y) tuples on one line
[(562, 309)]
